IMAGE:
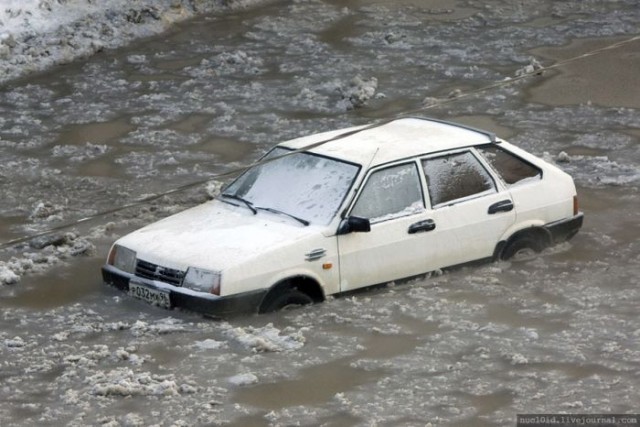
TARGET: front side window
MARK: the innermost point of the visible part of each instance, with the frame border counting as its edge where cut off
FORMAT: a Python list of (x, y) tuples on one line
[(390, 193), (456, 176), (511, 168), (304, 185)]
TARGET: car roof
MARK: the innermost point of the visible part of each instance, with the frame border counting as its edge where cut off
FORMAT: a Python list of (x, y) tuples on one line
[(391, 140)]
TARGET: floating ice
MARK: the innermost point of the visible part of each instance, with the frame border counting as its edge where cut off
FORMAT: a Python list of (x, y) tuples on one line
[(46, 210), (126, 382), (266, 339), (16, 342), (7, 276), (533, 66), (209, 344), (243, 379), (358, 92), (164, 326)]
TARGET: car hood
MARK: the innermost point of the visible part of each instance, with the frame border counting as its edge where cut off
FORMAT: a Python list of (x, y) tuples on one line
[(214, 235)]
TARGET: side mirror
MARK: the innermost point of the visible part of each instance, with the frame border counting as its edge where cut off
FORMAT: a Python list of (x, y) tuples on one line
[(354, 224)]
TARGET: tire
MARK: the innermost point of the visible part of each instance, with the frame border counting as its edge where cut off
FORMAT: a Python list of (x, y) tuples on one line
[(522, 248), (286, 299)]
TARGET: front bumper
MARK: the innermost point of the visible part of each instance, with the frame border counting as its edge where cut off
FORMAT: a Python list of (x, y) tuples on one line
[(212, 305), (565, 229)]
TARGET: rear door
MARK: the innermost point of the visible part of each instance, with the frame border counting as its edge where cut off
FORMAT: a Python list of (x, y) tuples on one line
[(470, 209)]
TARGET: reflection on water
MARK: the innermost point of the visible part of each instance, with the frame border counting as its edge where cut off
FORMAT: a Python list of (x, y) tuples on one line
[(191, 123), (500, 313), (96, 133), (427, 10), (229, 150), (59, 287), (311, 386), (610, 79), (487, 403), (574, 371), (7, 230)]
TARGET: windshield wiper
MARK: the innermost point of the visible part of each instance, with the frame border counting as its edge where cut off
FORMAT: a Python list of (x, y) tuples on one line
[(245, 201), (255, 209), (276, 211)]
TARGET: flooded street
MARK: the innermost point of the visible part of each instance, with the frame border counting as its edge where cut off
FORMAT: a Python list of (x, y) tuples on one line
[(469, 347)]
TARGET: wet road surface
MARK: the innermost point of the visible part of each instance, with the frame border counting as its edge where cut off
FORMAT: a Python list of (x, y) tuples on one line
[(471, 347)]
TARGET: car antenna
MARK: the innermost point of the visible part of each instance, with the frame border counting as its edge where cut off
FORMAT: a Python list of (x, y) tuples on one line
[(373, 158)]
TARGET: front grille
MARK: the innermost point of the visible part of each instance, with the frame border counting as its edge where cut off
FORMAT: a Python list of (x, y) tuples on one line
[(156, 272)]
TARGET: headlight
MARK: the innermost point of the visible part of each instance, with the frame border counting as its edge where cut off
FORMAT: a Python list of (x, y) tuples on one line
[(123, 259), (202, 280)]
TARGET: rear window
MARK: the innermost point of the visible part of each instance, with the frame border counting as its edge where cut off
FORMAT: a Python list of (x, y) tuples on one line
[(456, 176), (511, 168)]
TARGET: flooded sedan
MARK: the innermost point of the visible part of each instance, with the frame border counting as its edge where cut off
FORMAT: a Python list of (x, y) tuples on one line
[(428, 194), (474, 346)]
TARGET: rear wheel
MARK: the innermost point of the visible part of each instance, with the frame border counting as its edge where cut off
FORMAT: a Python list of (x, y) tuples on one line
[(522, 248), (285, 299)]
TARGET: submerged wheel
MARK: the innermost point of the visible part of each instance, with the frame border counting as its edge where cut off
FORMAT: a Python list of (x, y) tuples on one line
[(285, 299), (522, 248)]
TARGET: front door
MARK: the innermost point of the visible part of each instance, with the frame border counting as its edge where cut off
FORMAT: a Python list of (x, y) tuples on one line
[(398, 244)]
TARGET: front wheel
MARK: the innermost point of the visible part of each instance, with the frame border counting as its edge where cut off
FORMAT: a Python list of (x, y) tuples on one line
[(286, 299)]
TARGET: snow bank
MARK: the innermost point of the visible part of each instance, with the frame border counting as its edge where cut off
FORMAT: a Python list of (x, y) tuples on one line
[(37, 34), (42, 16)]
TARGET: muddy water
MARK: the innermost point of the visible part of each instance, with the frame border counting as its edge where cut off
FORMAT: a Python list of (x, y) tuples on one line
[(610, 79), (471, 347)]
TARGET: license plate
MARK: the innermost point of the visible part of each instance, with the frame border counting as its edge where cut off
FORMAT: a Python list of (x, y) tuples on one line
[(150, 295)]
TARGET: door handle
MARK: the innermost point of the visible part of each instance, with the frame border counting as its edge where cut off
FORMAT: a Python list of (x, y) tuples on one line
[(426, 225), (501, 206)]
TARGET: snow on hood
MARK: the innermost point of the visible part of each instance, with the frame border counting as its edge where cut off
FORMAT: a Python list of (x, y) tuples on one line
[(214, 235)]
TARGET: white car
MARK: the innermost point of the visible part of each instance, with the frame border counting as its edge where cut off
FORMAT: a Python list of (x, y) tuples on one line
[(342, 210)]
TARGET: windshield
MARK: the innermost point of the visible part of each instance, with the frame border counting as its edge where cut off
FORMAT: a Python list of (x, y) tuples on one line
[(304, 185)]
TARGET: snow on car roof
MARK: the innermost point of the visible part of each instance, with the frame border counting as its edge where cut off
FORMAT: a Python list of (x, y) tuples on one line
[(394, 140)]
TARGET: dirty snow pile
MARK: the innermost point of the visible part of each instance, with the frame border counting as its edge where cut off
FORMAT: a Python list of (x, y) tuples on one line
[(37, 34), (267, 339), (358, 92), (45, 252)]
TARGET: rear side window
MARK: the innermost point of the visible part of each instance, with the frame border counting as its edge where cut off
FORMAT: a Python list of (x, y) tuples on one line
[(456, 176), (511, 168)]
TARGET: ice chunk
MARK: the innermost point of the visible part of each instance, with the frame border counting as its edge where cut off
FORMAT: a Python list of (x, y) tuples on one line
[(7, 276), (243, 379), (266, 339), (16, 342), (358, 92), (209, 344), (125, 382)]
